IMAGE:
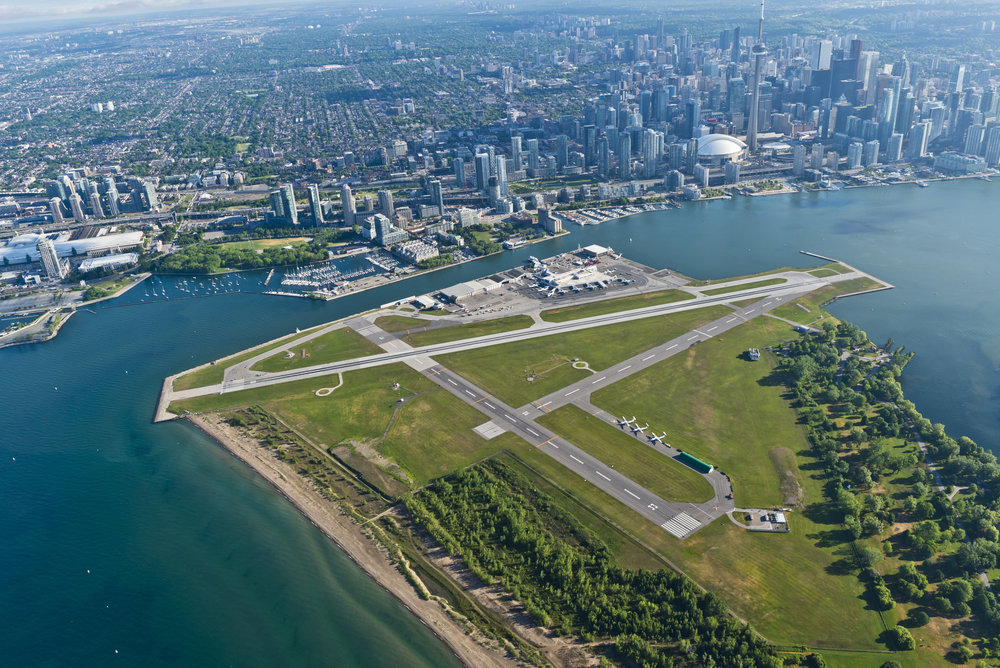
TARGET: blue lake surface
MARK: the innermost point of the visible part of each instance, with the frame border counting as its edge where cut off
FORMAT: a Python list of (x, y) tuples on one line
[(194, 560)]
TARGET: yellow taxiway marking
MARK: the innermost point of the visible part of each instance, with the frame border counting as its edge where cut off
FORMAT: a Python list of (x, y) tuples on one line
[(544, 442)]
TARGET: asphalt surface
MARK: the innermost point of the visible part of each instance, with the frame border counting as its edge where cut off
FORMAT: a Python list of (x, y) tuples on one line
[(241, 377), (681, 519)]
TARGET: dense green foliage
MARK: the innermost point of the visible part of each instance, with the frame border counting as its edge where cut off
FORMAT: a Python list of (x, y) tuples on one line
[(566, 578), (476, 245), (855, 413), (208, 259), (438, 261), (95, 292)]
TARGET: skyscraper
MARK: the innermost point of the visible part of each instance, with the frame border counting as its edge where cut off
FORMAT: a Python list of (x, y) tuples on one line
[(95, 205), (347, 200), (992, 143), (562, 151), (288, 200), (603, 157), (460, 172), (515, 151), (437, 195), (482, 171), (533, 155), (799, 160), (974, 139), (918, 137), (692, 116), (385, 204), (53, 267), (649, 152), (55, 206), (501, 172), (315, 205), (757, 54), (625, 157), (76, 206)]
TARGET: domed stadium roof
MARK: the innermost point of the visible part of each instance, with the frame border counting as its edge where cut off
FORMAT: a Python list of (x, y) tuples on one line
[(719, 146)]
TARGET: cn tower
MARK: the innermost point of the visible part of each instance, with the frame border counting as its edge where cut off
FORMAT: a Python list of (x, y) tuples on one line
[(757, 54)]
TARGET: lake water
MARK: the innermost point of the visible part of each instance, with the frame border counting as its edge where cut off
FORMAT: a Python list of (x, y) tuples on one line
[(194, 560)]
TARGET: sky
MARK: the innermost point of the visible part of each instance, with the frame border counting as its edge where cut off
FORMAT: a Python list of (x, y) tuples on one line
[(13, 10)]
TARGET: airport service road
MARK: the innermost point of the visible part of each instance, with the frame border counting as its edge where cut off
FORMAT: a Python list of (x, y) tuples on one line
[(579, 392), (679, 518), (801, 284)]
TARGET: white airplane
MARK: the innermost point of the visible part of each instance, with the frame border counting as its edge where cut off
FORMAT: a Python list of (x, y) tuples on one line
[(654, 438), (638, 430), (624, 423)]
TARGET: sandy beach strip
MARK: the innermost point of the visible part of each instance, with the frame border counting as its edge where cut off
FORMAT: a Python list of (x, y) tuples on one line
[(350, 538)]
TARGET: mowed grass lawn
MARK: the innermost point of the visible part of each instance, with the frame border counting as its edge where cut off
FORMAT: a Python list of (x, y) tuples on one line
[(340, 344), (503, 370), (399, 323), (615, 305), (744, 286), (719, 407), (430, 436), (261, 244), (808, 308), (653, 470), (783, 584), (468, 330), (213, 375)]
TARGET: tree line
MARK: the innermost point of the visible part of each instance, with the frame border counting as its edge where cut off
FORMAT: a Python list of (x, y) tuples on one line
[(508, 532)]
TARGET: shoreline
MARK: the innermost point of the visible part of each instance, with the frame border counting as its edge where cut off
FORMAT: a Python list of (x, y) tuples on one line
[(363, 550)]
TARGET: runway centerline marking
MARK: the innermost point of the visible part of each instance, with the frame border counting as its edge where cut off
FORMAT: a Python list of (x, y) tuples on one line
[(598, 380), (603, 476), (647, 357), (630, 493), (571, 392), (532, 431), (452, 382), (471, 394), (624, 368), (575, 458)]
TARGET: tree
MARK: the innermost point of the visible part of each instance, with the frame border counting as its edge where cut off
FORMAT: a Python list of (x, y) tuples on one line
[(901, 638), (869, 556), (920, 618)]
